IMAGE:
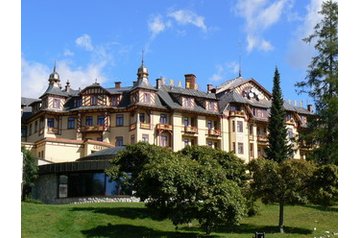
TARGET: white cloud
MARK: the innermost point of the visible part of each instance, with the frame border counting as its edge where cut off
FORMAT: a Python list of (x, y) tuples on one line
[(259, 16), (157, 25), (85, 42), (226, 70), (68, 52), (34, 76), (185, 17)]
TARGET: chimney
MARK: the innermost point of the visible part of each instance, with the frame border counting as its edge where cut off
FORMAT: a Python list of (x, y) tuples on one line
[(190, 81), (68, 86), (160, 82), (209, 87), (117, 84), (134, 83), (310, 107)]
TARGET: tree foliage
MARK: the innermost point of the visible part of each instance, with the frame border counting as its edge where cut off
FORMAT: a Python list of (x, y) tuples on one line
[(283, 182), (191, 184), (323, 185), (29, 173), (279, 148), (321, 84)]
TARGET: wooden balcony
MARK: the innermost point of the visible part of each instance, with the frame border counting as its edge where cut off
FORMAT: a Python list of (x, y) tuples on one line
[(166, 127), (95, 128), (52, 130), (290, 121), (144, 125), (262, 138), (190, 129), (132, 126), (237, 113), (214, 132)]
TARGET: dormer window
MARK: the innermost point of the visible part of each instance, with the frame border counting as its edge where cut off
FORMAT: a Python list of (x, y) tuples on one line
[(211, 106), (56, 103), (187, 102), (93, 100), (146, 98), (77, 102)]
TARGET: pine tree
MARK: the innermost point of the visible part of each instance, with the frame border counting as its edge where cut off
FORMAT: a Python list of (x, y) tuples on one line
[(322, 85), (279, 148)]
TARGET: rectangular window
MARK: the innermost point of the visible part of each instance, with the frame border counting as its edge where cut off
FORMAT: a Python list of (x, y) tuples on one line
[(62, 186), (145, 138), (56, 103), (164, 141), (240, 148), (186, 121), (290, 133), (211, 106), (233, 126), (77, 102), (132, 139), (114, 101), (119, 120), (141, 117), (146, 97), (50, 122), (93, 100), (210, 124), (240, 126), (89, 121), (119, 141), (71, 123), (186, 142), (30, 129), (163, 118), (234, 147), (100, 120), (188, 102), (35, 126), (251, 130)]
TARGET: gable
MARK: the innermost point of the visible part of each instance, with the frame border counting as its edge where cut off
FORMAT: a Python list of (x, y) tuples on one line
[(251, 89)]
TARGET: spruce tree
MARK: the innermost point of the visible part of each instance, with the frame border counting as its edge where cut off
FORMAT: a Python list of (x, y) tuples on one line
[(279, 148), (322, 85)]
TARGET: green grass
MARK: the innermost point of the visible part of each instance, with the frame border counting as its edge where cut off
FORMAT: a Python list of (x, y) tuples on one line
[(134, 220)]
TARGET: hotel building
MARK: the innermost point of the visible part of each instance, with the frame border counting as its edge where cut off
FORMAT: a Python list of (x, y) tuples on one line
[(64, 124)]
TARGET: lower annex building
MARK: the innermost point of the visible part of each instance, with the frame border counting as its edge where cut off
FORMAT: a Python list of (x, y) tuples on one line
[(64, 124)]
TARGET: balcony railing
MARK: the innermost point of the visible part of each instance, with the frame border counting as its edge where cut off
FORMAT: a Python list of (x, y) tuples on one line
[(132, 126), (190, 129), (144, 125), (290, 121), (237, 113), (52, 130), (167, 127), (214, 132), (92, 128), (262, 138)]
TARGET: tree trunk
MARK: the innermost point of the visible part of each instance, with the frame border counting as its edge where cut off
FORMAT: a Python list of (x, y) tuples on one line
[(280, 223)]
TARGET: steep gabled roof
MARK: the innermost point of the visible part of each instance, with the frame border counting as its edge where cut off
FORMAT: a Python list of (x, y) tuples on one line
[(53, 90)]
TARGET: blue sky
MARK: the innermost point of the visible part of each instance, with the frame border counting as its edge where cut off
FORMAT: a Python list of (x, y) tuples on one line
[(103, 40)]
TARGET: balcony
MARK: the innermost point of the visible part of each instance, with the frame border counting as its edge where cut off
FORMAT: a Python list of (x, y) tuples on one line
[(190, 129), (290, 121), (52, 130), (262, 138), (92, 128), (214, 132), (166, 127), (132, 126), (237, 113), (144, 125)]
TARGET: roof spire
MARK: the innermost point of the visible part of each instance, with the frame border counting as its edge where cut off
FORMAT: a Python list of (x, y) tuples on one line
[(240, 50), (54, 67), (142, 57)]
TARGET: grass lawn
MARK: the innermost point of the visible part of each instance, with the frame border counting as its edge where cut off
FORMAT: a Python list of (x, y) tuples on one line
[(134, 220)]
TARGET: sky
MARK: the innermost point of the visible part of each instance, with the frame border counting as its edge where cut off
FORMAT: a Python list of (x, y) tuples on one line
[(104, 41)]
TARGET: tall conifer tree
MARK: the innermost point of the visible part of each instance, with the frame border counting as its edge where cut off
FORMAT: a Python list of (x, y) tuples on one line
[(279, 148), (322, 85)]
